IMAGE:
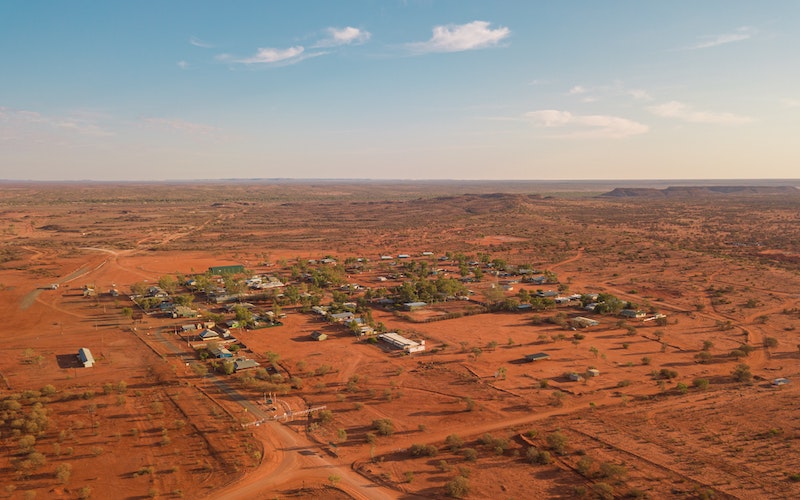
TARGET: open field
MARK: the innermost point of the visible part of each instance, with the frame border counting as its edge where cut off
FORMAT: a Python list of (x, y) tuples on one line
[(665, 417)]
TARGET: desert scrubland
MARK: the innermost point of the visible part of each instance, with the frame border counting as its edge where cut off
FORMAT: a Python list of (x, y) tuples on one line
[(678, 401)]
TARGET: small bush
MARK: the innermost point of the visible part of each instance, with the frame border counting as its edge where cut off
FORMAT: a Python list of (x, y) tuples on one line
[(457, 488)]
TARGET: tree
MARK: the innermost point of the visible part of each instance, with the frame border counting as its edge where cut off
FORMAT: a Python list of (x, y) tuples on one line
[(742, 373), (384, 426)]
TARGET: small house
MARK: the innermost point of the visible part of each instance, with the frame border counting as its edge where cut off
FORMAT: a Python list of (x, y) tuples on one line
[(209, 335), (632, 314), (593, 372), (412, 306), (220, 352)]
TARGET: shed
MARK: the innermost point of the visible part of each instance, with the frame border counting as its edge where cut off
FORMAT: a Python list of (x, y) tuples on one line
[(318, 335), (410, 306), (85, 357), (593, 372), (539, 356), (780, 381), (244, 364)]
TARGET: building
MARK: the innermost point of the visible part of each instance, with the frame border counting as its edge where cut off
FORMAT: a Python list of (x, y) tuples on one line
[(220, 352), (85, 357), (399, 342), (412, 306), (581, 322), (318, 336), (539, 356), (632, 314), (209, 335), (245, 364)]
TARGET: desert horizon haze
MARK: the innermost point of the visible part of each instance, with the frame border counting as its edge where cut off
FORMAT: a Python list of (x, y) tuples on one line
[(399, 89)]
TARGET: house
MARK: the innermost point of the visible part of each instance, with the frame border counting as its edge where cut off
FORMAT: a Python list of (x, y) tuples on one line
[(245, 364), (632, 313), (403, 256), (411, 306), (318, 336), (342, 317), (386, 257), (220, 352), (427, 254), (546, 293), (365, 330), (209, 335), (539, 356), (85, 357), (399, 342), (593, 372)]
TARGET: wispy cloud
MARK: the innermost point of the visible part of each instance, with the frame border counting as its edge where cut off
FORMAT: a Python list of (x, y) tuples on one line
[(791, 103), (183, 64), (273, 56), (640, 95), (344, 36), (461, 37), (585, 126), (681, 111), (199, 43), (705, 42), (180, 125), (83, 124)]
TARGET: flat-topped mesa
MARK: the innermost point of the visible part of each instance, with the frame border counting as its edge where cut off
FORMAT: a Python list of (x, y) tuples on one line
[(700, 191)]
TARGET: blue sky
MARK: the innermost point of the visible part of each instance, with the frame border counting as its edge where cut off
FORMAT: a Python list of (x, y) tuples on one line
[(167, 90)]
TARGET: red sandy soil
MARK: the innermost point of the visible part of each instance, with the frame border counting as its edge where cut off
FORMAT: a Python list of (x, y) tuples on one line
[(167, 432)]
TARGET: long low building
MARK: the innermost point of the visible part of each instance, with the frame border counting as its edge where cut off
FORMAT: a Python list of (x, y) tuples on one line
[(398, 341)]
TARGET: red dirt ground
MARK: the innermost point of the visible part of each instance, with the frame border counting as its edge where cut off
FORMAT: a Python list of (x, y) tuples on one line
[(142, 422)]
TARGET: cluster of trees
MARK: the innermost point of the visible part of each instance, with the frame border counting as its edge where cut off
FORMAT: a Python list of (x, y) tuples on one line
[(429, 290)]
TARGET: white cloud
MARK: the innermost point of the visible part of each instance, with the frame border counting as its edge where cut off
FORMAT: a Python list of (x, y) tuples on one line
[(577, 90), (183, 64), (344, 36), (199, 43), (681, 111), (742, 33), (461, 37), (791, 103), (588, 126), (180, 125), (272, 56), (640, 95)]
